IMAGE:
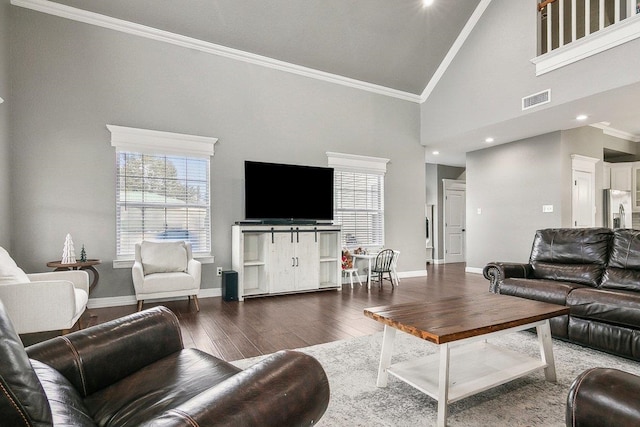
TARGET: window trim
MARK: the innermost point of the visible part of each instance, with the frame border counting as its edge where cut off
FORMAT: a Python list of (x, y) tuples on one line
[(155, 142), (361, 164)]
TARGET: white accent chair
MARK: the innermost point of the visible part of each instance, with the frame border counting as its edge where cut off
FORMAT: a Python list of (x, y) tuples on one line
[(165, 270), (42, 302)]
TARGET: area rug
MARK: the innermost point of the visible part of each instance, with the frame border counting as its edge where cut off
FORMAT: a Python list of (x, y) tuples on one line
[(351, 366)]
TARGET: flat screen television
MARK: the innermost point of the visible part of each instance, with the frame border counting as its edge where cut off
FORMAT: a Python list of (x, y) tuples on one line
[(287, 193)]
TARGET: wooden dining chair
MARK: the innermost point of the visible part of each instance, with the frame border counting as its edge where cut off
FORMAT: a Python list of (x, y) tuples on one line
[(383, 264)]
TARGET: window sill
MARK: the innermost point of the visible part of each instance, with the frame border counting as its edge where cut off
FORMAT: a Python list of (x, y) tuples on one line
[(128, 263)]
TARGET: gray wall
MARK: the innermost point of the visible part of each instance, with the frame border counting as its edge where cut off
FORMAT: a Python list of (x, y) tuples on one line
[(5, 149), (71, 79), (510, 183)]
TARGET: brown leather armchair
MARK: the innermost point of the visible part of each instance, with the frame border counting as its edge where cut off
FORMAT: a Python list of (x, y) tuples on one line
[(134, 371), (604, 397)]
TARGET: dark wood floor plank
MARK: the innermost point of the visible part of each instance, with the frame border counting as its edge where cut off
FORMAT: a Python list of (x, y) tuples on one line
[(257, 326)]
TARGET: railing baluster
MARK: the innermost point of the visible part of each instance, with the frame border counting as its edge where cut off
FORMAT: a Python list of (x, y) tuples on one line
[(601, 13), (561, 23), (549, 25), (587, 17), (631, 8), (574, 21), (616, 11)]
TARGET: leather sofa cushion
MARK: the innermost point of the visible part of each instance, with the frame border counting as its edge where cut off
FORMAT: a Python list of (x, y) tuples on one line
[(608, 306), (572, 246), (585, 274), (159, 387), (576, 255), (66, 404), (613, 339), (550, 291), (18, 382), (623, 270), (621, 279)]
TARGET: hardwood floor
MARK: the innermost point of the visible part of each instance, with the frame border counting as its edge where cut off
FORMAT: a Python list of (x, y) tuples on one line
[(234, 330)]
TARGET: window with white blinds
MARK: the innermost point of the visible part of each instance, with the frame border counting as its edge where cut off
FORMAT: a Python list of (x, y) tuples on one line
[(359, 199), (162, 196)]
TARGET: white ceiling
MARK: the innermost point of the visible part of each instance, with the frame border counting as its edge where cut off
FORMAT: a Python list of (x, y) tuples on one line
[(395, 44)]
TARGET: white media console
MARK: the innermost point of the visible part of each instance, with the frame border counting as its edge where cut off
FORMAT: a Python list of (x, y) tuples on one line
[(278, 259)]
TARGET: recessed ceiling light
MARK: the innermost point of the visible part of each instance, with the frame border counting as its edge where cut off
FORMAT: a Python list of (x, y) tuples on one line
[(582, 117), (489, 140), (426, 3), (436, 153)]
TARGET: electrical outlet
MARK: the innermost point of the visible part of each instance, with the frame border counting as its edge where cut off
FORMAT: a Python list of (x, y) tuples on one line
[(219, 271)]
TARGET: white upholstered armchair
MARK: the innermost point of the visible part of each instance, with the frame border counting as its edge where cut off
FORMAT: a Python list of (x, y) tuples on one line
[(165, 270), (42, 301)]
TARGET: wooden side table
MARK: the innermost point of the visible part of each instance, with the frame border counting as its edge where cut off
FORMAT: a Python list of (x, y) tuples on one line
[(87, 265)]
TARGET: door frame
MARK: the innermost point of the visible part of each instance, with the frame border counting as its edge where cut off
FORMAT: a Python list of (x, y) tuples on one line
[(587, 165), (452, 184)]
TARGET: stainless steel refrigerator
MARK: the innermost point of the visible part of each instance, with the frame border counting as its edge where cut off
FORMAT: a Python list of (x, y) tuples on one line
[(617, 209)]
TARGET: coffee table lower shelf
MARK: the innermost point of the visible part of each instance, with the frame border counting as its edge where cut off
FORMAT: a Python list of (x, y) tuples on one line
[(474, 367)]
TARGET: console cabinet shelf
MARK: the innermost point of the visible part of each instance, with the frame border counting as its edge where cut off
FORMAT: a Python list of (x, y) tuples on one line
[(280, 259)]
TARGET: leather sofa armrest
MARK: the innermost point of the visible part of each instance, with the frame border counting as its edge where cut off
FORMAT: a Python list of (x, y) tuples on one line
[(96, 357), (496, 272), (603, 396), (286, 388)]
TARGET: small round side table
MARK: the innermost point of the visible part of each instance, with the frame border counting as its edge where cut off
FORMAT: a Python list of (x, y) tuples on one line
[(86, 265)]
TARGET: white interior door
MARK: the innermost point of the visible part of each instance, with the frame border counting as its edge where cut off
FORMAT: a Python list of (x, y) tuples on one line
[(454, 226), (583, 202)]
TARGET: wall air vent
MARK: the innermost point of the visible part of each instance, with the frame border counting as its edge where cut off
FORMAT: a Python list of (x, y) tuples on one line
[(536, 99)]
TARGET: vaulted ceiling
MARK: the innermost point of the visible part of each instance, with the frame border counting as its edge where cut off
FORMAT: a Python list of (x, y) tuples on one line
[(392, 45), (397, 44)]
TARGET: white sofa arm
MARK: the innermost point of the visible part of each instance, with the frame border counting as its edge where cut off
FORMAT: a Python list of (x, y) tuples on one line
[(137, 274), (194, 268), (79, 278), (43, 305)]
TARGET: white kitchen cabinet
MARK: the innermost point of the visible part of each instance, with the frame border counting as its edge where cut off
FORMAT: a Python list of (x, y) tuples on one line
[(277, 259), (621, 176)]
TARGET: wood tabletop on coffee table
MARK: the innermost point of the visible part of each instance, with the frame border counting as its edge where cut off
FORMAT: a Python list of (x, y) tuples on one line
[(463, 316)]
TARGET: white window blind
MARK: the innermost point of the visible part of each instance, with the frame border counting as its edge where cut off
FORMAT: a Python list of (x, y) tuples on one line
[(359, 199), (161, 196)]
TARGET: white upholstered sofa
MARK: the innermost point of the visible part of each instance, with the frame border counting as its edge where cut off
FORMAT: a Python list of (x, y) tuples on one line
[(42, 302), (165, 270)]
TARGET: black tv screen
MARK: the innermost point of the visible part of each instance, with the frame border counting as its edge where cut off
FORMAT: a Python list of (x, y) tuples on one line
[(282, 192)]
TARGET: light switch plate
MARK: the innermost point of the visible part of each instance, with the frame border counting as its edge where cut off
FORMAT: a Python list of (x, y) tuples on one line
[(547, 208)]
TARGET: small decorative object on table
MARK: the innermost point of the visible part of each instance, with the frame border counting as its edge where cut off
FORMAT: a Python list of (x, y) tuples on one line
[(83, 255), (347, 260), (68, 252)]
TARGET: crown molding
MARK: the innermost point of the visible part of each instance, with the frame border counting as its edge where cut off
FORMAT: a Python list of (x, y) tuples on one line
[(92, 18), (616, 133)]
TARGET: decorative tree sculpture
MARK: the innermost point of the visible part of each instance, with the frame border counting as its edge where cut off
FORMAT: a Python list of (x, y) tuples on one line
[(68, 252)]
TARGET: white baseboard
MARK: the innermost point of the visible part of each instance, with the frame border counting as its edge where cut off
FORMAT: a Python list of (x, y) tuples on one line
[(475, 270), (416, 273), (131, 299)]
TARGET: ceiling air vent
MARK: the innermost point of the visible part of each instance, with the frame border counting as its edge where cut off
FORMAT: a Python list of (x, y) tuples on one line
[(536, 99)]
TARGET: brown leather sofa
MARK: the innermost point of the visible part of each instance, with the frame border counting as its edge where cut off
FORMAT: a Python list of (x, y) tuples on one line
[(134, 371), (593, 271), (604, 397)]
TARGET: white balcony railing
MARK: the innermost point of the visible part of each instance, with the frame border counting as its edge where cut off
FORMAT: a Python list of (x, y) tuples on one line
[(564, 21)]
